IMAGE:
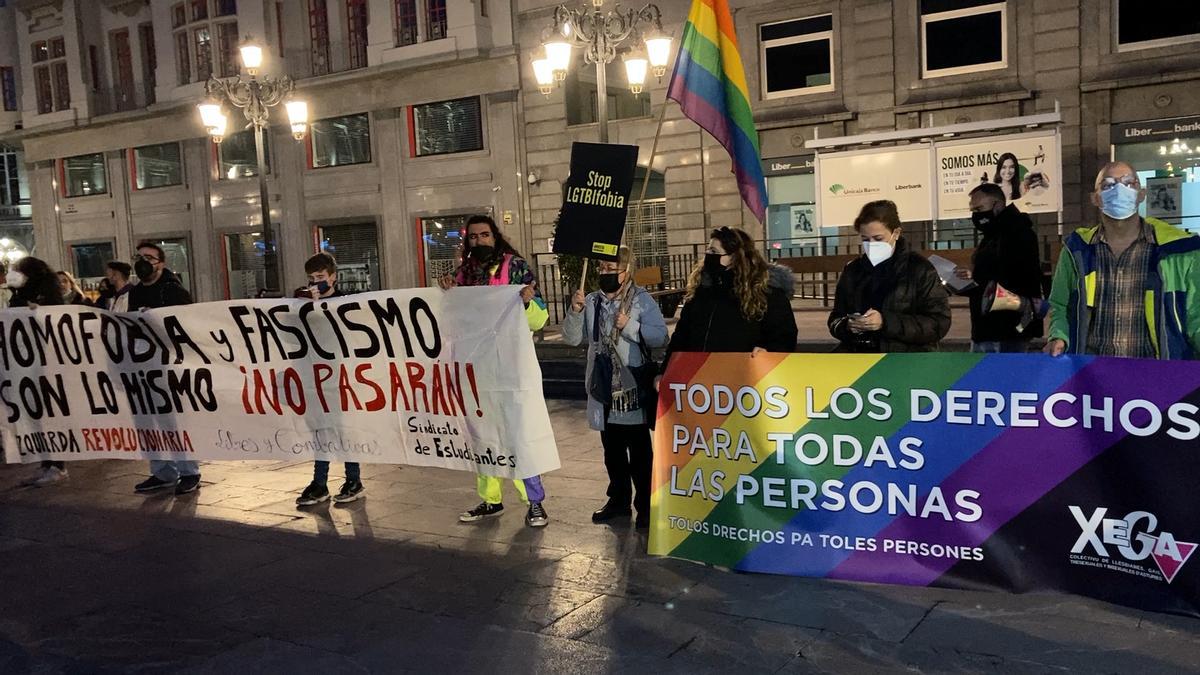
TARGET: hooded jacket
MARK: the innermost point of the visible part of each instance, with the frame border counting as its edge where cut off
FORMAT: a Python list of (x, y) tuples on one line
[(712, 321), (906, 290), (1172, 304), (1007, 254), (168, 291)]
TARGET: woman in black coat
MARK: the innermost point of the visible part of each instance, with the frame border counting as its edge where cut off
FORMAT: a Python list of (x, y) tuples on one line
[(890, 299), (735, 302), (34, 284)]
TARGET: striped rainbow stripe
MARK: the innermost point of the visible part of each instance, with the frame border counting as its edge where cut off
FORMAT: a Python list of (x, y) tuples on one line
[(709, 83)]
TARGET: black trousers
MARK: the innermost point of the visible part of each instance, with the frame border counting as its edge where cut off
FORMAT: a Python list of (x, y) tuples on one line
[(628, 458)]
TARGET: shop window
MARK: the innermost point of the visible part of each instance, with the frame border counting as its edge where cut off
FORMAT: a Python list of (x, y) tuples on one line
[(89, 262), (447, 127), (245, 265), (83, 175), (1169, 171), (236, 156), (963, 36), (177, 253), (157, 166), (796, 57), (1144, 25), (339, 141), (441, 245), (356, 249), (581, 99)]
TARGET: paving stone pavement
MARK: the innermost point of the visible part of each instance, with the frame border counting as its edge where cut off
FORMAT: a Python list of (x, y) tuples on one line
[(235, 578)]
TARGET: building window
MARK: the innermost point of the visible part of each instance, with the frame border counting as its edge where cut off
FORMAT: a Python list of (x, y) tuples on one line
[(446, 127), (94, 63), (441, 244), (356, 29), (435, 18), (50, 75), (10, 179), (83, 175), (157, 166), (796, 57), (962, 36), (406, 22), (177, 254), (8, 87), (339, 141), (318, 33), (245, 265), (236, 157), (580, 95), (1142, 25), (195, 32), (89, 262), (646, 223), (356, 249), (149, 60)]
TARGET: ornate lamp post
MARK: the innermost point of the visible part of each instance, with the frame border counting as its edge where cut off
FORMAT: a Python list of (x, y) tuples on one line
[(255, 96), (601, 34)]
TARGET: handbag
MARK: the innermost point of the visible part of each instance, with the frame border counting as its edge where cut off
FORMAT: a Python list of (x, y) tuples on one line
[(644, 375)]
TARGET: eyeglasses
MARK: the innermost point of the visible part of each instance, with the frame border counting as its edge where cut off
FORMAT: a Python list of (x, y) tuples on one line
[(1110, 182), (147, 258)]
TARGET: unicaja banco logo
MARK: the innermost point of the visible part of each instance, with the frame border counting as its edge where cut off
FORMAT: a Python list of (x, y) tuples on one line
[(836, 188), (1125, 544)]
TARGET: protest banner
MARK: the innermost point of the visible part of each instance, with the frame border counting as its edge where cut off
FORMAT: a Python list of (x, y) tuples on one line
[(1008, 472), (424, 377), (595, 200)]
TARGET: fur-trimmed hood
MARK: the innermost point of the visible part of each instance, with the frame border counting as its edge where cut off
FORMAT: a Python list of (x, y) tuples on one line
[(782, 278)]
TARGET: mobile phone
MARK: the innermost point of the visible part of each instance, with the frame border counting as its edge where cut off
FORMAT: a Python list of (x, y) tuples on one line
[(855, 315)]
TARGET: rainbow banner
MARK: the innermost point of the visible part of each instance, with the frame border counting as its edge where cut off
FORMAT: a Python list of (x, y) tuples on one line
[(709, 83), (1010, 472)]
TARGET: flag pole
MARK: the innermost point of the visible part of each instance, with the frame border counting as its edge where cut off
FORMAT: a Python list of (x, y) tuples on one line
[(637, 222)]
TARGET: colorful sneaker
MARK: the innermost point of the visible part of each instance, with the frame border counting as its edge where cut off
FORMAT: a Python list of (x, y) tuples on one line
[(50, 476), (315, 493), (351, 490), (536, 517), (484, 510)]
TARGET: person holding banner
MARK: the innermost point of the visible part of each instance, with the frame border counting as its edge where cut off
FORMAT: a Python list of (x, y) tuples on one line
[(890, 299), (1129, 286), (735, 301), (34, 284), (489, 260), (322, 285), (621, 324), (160, 287)]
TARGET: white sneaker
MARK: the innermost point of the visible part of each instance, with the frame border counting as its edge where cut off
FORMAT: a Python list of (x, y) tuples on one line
[(33, 480), (51, 476)]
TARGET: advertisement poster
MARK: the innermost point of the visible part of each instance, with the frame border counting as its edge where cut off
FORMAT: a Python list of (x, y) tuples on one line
[(1025, 166), (1164, 198), (848, 180)]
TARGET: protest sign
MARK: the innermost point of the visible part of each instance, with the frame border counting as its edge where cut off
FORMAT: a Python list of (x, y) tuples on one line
[(1010, 472), (425, 377), (595, 200)]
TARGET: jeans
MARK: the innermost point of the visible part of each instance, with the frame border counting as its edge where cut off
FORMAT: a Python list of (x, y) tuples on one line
[(321, 471), (1000, 347), (530, 489), (171, 471), (628, 457)]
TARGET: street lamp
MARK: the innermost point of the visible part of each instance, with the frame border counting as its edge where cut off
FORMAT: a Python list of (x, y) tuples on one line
[(600, 34), (255, 97)]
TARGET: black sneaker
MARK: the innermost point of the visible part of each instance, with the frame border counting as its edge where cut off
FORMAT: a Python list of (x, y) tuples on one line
[(484, 510), (315, 493), (154, 483), (351, 490), (187, 484), (536, 517), (609, 511)]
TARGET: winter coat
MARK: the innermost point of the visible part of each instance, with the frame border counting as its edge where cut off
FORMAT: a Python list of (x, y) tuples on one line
[(712, 321), (645, 323), (905, 290), (166, 292), (1007, 254)]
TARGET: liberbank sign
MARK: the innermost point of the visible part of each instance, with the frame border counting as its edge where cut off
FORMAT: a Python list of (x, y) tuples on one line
[(1155, 130)]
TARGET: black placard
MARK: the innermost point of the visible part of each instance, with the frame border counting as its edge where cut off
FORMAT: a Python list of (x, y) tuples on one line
[(595, 200)]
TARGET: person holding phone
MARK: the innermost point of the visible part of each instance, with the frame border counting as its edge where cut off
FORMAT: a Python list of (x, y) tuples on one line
[(890, 299)]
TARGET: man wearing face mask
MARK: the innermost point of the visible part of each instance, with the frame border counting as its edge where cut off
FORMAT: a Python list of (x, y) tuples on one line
[(1127, 287), (1007, 254), (159, 287)]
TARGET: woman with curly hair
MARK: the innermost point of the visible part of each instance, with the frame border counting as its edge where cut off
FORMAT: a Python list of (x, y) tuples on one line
[(34, 284), (735, 301)]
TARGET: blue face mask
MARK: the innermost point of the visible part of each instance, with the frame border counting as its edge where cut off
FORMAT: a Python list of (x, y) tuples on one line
[(322, 286), (1119, 201)]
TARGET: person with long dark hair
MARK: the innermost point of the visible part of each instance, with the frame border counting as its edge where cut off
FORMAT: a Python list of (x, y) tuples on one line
[(72, 292), (890, 299), (489, 260), (34, 284), (1008, 176)]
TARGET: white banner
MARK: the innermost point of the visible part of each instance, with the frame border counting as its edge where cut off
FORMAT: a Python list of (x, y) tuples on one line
[(1025, 165), (848, 180), (424, 377)]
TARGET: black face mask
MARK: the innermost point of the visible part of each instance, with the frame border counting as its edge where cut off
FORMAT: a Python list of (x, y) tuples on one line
[(482, 253), (144, 269), (712, 264), (610, 283)]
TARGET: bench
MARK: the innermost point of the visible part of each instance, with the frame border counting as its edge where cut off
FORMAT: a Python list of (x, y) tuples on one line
[(668, 294)]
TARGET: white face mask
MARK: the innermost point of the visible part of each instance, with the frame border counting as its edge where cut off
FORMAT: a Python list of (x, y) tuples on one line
[(878, 251), (15, 279)]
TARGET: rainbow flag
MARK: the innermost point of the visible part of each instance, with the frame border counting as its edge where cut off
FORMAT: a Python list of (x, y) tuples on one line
[(709, 83)]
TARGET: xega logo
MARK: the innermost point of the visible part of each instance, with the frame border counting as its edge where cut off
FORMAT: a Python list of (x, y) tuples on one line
[(1135, 538)]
